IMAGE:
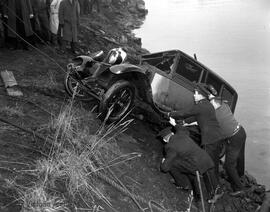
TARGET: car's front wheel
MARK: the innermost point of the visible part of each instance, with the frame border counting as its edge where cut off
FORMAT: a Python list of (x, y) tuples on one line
[(118, 100)]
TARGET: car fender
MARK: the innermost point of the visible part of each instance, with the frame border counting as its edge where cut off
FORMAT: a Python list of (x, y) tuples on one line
[(126, 68), (84, 59), (142, 75)]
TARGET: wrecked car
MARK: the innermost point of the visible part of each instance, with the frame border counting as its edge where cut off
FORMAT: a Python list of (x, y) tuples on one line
[(163, 80)]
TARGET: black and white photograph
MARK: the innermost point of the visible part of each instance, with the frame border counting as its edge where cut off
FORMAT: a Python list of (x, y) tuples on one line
[(134, 106)]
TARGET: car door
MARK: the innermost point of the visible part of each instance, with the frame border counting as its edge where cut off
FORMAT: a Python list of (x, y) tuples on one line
[(181, 88)]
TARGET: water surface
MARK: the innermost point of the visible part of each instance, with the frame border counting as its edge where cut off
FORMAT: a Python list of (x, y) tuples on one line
[(231, 37)]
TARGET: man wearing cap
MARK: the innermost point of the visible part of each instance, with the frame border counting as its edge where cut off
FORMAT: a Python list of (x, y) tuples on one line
[(204, 113), (235, 136), (183, 157)]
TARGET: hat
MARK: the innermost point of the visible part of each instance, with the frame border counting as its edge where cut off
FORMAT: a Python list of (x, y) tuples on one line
[(211, 89), (164, 132)]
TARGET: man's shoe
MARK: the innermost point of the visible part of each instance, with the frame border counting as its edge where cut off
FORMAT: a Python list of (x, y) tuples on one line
[(75, 52), (218, 194), (239, 193)]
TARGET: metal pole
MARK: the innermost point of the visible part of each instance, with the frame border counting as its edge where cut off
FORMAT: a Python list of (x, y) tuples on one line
[(201, 192)]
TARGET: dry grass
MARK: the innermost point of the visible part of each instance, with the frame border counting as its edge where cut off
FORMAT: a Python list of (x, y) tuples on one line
[(39, 200), (76, 158)]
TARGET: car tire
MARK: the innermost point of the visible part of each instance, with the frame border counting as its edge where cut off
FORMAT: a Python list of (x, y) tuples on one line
[(70, 85), (121, 94)]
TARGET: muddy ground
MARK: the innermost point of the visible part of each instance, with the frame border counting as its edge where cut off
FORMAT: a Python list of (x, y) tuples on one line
[(40, 73)]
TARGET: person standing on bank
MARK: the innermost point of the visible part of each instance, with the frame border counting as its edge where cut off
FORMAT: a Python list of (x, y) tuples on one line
[(18, 15), (54, 20), (235, 146), (69, 17), (204, 113), (41, 11)]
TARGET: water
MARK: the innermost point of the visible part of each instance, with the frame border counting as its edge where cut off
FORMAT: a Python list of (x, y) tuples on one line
[(231, 37)]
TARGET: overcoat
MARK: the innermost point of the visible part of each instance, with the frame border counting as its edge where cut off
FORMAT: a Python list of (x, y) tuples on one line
[(54, 16), (69, 18), (26, 11), (184, 154), (204, 113)]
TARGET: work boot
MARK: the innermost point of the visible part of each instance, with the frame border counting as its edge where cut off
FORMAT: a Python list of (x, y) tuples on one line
[(218, 194)]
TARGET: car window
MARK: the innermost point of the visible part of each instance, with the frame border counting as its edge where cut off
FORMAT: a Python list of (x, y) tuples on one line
[(211, 79), (189, 69), (227, 95), (163, 63)]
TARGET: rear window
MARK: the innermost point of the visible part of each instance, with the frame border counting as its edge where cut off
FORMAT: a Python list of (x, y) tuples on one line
[(214, 81), (227, 95), (164, 63), (189, 69)]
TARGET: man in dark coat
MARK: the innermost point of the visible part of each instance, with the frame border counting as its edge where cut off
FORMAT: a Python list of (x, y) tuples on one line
[(183, 157), (2, 34), (41, 12), (18, 14), (84, 6), (69, 21), (204, 113)]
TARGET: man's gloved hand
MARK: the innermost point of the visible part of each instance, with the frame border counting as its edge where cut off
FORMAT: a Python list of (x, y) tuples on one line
[(172, 121), (31, 16)]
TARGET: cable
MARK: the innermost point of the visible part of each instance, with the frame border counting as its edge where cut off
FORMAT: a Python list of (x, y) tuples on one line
[(43, 41)]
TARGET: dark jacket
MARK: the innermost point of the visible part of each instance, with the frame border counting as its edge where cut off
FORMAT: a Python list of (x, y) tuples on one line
[(25, 11), (69, 18), (204, 113), (183, 153)]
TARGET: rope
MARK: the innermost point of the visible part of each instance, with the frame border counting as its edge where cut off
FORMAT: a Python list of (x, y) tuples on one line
[(53, 60), (43, 41), (44, 54), (28, 101), (152, 204)]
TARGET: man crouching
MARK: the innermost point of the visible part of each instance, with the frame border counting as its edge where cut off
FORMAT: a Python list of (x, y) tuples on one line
[(183, 158)]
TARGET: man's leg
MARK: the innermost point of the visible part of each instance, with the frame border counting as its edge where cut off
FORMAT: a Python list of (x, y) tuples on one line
[(45, 25), (241, 157), (181, 179), (233, 149), (214, 150), (74, 47), (211, 182)]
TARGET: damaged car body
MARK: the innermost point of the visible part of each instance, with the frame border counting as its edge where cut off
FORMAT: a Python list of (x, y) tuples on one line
[(164, 80)]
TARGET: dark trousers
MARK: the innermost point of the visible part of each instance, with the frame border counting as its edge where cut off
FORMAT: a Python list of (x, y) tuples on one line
[(214, 151), (44, 25), (85, 6), (73, 45), (188, 181), (211, 181), (235, 158)]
